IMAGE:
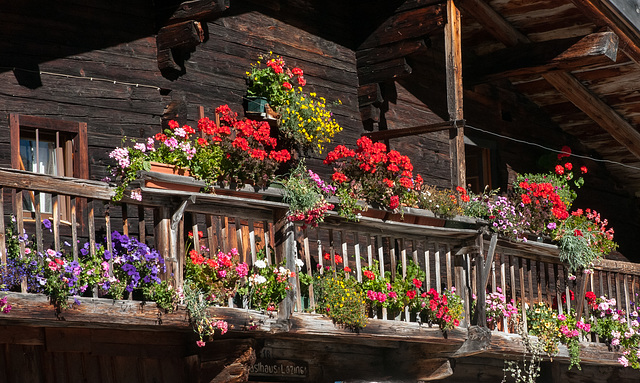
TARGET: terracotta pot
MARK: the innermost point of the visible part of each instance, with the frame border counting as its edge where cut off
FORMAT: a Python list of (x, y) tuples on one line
[(159, 167)]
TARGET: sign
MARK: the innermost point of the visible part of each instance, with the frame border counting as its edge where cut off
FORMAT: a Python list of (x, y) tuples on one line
[(279, 368)]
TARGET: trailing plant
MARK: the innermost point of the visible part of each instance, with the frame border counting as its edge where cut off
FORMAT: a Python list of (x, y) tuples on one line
[(582, 238), (306, 194), (529, 370), (197, 304), (613, 327)]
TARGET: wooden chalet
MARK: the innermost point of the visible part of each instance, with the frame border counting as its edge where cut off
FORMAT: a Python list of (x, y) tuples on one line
[(474, 90)]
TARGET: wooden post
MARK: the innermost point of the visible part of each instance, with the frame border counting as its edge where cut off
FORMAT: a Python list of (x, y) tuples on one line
[(453, 58)]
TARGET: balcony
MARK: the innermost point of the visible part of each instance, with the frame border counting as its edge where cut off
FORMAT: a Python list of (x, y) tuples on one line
[(465, 257)]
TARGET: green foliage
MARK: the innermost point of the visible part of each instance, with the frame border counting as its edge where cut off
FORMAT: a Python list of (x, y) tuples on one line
[(198, 304), (268, 284), (341, 298), (444, 203), (267, 78), (306, 194)]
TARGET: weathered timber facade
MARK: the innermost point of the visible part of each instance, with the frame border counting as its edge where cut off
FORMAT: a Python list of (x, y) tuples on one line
[(451, 83)]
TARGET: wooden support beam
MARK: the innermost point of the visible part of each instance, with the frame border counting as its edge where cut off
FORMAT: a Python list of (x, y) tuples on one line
[(200, 10), (370, 56), (619, 128), (383, 71), (173, 41), (370, 113), (453, 58), (411, 24), (604, 17), (493, 22), (540, 57), (404, 132)]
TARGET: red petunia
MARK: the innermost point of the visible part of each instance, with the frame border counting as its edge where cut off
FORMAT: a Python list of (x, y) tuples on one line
[(559, 169), (568, 166)]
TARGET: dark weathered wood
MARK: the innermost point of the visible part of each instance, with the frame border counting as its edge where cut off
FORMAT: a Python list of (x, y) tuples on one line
[(201, 10), (405, 132), (370, 56), (453, 69), (55, 184), (383, 71), (535, 58), (594, 107), (411, 24), (369, 94), (176, 39), (599, 14), (492, 21), (370, 113)]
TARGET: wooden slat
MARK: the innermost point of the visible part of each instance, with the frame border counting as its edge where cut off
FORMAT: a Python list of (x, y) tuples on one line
[(381, 265), (493, 22), (449, 266), (345, 252), (252, 241), (38, 216), (427, 266), (356, 252), (74, 226), (55, 207), (307, 259), (436, 268), (393, 258), (142, 225)]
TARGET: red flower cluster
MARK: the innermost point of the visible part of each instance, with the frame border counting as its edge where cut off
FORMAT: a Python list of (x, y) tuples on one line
[(248, 145), (327, 256), (463, 193), (543, 194), (378, 175), (438, 307), (590, 296)]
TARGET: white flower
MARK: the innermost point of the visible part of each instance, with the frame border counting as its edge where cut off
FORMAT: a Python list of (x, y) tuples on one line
[(257, 279), (282, 270), (299, 263), (260, 264)]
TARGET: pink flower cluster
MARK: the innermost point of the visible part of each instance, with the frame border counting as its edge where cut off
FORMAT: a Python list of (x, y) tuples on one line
[(498, 308), (4, 306)]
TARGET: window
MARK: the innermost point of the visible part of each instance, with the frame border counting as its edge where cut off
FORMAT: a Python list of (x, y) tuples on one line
[(480, 164), (47, 146)]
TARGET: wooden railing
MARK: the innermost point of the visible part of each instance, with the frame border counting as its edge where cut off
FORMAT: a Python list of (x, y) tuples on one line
[(468, 259)]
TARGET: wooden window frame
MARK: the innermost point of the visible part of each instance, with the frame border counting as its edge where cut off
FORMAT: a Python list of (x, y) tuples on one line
[(76, 130)]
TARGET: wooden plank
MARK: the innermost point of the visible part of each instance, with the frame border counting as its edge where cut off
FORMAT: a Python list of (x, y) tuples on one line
[(384, 71), (427, 267), (3, 244), (453, 63), (437, 268), (356, 252), (345, 253), (411, 24), (382, 135), (370, 56), (19, 179), (307, 259), (449, 266), (540, 57), (74, 227)]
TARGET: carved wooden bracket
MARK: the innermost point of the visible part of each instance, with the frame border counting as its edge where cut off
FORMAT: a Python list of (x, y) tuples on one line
[(174, 42), (183, 32)]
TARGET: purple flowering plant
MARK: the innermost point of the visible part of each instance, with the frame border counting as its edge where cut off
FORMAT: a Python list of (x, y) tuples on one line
[(498, 307), (5, 307)]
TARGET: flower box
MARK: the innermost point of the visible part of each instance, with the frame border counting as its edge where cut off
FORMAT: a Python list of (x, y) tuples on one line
[(421, 217), (170, 177)]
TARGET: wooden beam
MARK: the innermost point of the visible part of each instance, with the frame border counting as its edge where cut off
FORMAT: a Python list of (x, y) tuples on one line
[(201, 10), (173, 41), (619, 128), (540, 57), (411, 24), (493, 22), (604, 17), (453, 59), (384, 71), (370, 56), (413, 131)]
